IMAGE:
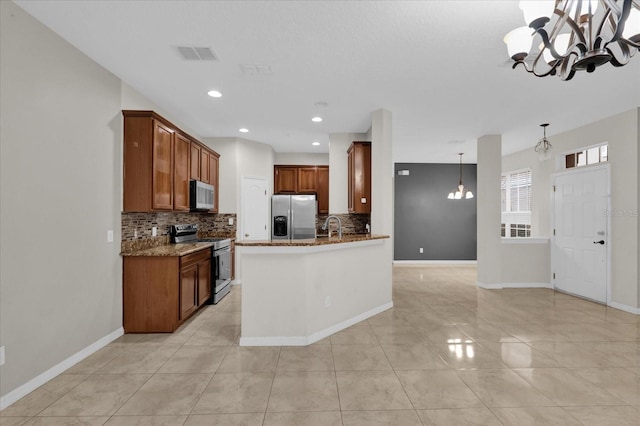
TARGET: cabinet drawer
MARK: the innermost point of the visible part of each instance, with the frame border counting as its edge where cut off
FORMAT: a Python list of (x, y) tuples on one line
[(196, 257)]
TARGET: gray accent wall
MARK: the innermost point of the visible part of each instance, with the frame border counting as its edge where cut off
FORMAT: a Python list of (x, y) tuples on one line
[(424, 217)]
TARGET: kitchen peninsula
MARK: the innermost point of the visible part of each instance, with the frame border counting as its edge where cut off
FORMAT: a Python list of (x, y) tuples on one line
[(297, 292)]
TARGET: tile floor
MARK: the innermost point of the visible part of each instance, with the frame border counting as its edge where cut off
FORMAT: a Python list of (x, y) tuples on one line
[(448, 353)]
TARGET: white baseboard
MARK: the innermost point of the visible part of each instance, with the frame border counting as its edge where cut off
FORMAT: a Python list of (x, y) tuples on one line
[(43, 378), (434, 262), (236, 282), (625, 308), (307, 340), (493, 286), (527, 285), (498, 286)]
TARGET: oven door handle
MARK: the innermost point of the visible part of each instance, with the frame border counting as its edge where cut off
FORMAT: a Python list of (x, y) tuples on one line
[(222, 250)]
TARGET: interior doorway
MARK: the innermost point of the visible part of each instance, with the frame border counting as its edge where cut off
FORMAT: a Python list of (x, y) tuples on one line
[(581, 246)]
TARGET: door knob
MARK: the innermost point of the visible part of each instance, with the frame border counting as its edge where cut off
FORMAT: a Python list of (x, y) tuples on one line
[(246, 235), (601, 242)]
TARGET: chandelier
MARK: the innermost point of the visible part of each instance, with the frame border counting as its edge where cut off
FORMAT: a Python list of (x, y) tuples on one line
[(461, 192), (574, 35), (543, 146)]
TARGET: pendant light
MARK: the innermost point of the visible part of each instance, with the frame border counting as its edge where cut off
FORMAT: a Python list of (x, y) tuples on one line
[(461, 192), (543, 147)]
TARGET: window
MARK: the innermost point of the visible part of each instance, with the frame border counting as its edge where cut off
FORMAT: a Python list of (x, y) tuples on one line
[(593, 155), (515, 189)]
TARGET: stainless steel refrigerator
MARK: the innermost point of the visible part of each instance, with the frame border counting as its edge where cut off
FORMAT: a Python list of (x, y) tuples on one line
[(293, 217)]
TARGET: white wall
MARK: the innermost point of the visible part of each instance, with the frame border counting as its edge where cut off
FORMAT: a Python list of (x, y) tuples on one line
[(132, 99), (228, 191), (301, 158), (338, 168), (488, 193), (61, 133), (525, 262), (622, 134), (240, 157), (382, 174)]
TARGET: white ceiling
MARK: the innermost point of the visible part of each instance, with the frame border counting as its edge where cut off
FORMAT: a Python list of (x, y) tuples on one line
[(440, 67)]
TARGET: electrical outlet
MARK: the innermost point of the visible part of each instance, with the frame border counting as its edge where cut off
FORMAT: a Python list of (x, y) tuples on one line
[(154, 231), (327, 301), (2, 355), (421, 250), (230, 221), (135, 233), (110, 236)]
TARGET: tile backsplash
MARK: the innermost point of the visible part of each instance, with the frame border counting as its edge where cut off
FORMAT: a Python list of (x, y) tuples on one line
[(137, 226)]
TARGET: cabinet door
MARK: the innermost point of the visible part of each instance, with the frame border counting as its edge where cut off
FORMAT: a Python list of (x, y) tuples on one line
[(323, 189), (188, 281), (285, 180), (307, 179), (204, 281), (162, 167), (213, 180), (359, 171), (204, 166), (195, 161), (181, 154)]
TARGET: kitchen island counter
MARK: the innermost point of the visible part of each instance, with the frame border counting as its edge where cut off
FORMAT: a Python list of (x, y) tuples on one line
[(295, 293), (318, 241)]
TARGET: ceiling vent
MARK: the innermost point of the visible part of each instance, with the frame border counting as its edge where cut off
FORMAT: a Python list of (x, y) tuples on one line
[(252, 69), (191, 53)]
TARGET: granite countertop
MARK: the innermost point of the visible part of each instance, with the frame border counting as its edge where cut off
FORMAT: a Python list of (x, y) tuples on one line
[(160, 246), (318, 241), (169, 250)]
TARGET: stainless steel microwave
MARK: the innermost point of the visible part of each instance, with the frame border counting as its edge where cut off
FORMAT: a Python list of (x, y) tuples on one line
[(200, 196)]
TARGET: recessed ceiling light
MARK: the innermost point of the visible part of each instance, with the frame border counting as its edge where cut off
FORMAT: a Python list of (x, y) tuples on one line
[(214, 94), (315, 143), (243, 130), (316, 119)]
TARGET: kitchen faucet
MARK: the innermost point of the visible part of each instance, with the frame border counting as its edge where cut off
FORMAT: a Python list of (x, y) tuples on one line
[(326, 225)]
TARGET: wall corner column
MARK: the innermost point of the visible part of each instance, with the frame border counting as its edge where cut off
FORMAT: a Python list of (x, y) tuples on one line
[(381, 173), (488, 193)]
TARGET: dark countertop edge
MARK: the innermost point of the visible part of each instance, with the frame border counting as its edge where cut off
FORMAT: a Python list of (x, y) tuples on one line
[(351, 238)]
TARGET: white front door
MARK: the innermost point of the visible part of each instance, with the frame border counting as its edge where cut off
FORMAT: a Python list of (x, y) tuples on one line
[(254, 209), (580, 247)]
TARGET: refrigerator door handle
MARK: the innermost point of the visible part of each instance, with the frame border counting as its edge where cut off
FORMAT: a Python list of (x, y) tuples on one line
[(291, 227)]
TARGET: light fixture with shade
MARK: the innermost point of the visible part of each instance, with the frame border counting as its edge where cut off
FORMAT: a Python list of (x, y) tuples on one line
[(574, 35), (543, 147), (461, 192)]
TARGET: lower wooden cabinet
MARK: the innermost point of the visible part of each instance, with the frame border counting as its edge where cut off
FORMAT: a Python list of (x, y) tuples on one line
[(161, 292)]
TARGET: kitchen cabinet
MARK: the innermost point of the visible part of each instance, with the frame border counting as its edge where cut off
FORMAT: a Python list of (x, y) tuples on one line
[(285, 179), (181, 154), (359, 177), (159, 160), (161, 292), (195, 161), (323, 189), (204, 166), (162, 165), (214, 177), (304, 180)]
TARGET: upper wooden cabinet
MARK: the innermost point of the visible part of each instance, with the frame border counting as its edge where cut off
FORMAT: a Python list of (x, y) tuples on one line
[(181, 154), (285, 179), (195, 161), (359, 177), (304, 180), (159, 160)]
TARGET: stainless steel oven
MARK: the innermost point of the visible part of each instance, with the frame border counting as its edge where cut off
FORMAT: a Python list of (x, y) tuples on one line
[(221, 269)]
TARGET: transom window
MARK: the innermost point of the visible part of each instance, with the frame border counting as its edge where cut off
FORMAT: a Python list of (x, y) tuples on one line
[(593, 155), (515, 189)]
